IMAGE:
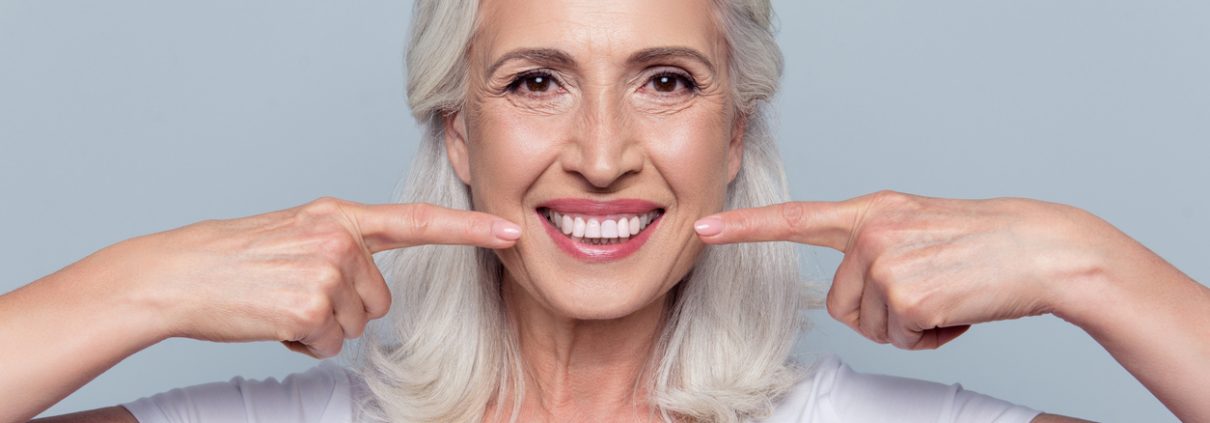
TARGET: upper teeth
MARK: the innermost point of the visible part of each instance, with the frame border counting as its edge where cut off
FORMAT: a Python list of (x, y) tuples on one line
[(612, 227)]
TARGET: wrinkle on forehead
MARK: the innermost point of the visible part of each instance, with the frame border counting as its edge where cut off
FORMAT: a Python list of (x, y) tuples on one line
[(595, 31)]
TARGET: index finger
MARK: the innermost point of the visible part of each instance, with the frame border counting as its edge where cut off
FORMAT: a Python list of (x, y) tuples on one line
[(823, 223), (390, 226)]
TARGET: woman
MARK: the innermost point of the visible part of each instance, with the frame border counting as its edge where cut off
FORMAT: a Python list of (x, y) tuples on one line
[(596, 142)]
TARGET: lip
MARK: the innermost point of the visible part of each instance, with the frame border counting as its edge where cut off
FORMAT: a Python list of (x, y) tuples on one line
[(599, 253)]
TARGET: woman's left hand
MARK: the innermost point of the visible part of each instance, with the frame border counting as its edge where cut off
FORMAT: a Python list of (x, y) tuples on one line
[(918, 271)]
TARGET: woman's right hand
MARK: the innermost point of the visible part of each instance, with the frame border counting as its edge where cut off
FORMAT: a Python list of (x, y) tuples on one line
[(303, 276)]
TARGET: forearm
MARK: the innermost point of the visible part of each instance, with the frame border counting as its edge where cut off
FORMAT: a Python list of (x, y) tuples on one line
[(63, 330), (1154, 320)]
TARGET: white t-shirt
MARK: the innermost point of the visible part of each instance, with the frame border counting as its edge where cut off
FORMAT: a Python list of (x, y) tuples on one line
[(831, 392)]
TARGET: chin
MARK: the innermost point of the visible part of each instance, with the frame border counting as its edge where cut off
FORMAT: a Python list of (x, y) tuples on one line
[(600, 297)]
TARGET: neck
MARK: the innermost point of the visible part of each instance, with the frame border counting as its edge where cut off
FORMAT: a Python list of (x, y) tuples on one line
[(582, 370)]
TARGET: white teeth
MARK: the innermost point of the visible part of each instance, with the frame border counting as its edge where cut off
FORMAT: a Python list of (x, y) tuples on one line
[(609, 229), (599, 231), (592, 229), (567, 225), (578, 228)]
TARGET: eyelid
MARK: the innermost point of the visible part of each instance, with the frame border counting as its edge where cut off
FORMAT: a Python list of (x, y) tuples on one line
[(690, 82), (515, 81)]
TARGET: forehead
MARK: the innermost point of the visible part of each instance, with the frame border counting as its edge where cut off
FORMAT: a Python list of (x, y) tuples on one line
[(600, 28)]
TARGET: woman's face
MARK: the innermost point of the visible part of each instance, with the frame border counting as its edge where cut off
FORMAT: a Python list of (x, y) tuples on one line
[(604, 128)]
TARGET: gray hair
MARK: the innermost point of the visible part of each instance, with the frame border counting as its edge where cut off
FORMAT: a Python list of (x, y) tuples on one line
[(446, 350)]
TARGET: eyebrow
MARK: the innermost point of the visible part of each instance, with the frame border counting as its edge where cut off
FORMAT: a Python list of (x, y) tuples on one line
[(547, 56), (663, 53), (551, 56)]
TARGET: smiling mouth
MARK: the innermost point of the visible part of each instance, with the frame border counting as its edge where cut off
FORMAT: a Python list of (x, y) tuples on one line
[(600, 229)]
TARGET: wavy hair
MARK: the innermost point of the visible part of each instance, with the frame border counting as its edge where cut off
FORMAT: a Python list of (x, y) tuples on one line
[(446, 350)]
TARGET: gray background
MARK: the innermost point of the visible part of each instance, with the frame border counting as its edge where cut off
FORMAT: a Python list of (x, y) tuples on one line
[(124, 117)]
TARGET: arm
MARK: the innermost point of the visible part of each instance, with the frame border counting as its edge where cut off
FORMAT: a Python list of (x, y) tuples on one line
[(918, 271), (63, 330), (1152, 318), (115, 414), (303, 276), (1054, 418)]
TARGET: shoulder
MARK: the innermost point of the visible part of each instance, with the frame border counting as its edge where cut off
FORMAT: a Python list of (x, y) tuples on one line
[(320, 394), (831, 391)]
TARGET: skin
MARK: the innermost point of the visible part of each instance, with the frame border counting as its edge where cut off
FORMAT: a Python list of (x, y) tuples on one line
[(917, 271), (302, 276), (601, 127)]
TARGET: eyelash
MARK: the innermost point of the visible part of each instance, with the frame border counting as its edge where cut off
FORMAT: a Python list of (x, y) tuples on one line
[(525, 76), (687, 81)]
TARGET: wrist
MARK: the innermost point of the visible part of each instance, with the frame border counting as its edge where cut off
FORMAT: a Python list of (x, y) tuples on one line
[(1090, 276), (1080, 296), (110, 281), (1110, 282)]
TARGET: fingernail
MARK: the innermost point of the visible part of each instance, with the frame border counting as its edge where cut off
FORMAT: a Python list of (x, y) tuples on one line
[(709, 226), (507, 231)]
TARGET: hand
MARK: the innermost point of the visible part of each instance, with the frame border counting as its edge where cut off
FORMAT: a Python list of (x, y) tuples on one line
[(303, 276), (918, 271)]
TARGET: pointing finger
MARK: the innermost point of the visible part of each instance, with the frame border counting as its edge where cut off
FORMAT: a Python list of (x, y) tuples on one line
[(823, 223), (390, 226)]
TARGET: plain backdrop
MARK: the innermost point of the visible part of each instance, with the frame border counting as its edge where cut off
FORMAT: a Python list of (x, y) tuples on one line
[(126, 117)]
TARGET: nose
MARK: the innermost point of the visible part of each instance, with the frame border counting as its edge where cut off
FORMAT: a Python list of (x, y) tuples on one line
[(605, 148)]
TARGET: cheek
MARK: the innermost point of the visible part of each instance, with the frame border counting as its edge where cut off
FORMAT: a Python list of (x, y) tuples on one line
[(507, 154), (690, 152)]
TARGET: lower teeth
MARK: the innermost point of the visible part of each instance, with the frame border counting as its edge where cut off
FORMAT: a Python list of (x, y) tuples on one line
[(601, 241)]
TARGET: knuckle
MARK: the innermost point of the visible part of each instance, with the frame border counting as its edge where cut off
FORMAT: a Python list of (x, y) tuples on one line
[(323, 205), (312, 313), (911, 309), (474, 228), (289, 332), (871, 238), (418, 216), (889, 196), (870, 329), (326, 277), (379, 309), (337, 244), (832, 307), (901, 341), (902, 201), (301, 319), (793, 214), (897, 203), (897, 297), (883, 274)]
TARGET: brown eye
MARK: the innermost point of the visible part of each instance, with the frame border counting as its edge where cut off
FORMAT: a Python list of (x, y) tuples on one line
[(537, 83), (669, 82), (534, 83), (665, 83)]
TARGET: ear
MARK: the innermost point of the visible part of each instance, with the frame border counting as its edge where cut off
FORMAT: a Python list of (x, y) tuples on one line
[(455, 145), (735, 149)]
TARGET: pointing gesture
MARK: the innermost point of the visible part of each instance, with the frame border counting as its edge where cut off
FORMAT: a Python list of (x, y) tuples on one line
[(918, 271), (303, 276)]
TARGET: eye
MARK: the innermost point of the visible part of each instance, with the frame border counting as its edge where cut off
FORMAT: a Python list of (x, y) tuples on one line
[(671, 82), (533, 83)]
